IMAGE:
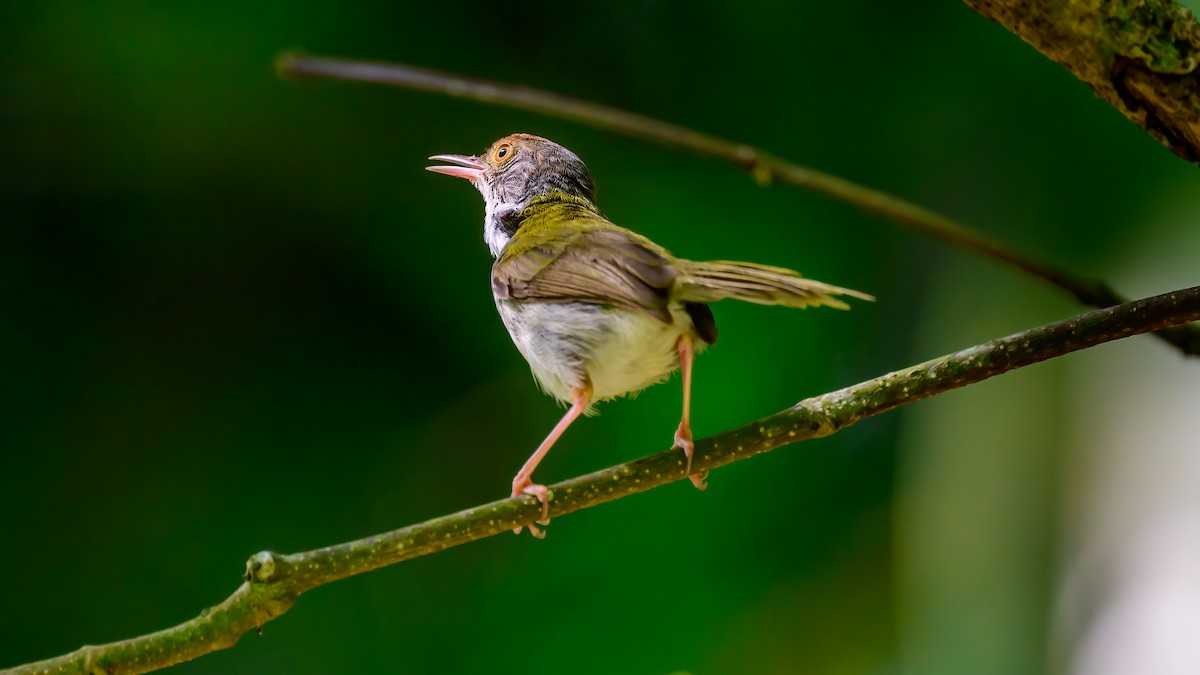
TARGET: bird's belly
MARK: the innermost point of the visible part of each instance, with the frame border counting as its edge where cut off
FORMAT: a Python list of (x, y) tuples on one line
[(638, 351), (617, 350)]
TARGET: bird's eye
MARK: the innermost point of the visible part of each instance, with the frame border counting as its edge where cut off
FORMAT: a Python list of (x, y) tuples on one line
[(503, 152)]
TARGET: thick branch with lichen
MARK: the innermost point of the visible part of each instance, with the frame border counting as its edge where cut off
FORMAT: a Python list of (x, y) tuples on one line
[(273, 581), (1141, 56), (764, 167)]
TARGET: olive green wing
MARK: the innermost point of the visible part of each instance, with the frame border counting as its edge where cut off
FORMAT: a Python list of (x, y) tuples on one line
[(586, 260)]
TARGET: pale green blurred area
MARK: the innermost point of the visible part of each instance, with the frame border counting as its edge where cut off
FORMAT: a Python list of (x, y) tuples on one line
[(1023, 501), (976, 492), (237, 314)]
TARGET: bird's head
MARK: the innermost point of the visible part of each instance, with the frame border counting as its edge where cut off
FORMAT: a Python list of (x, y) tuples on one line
[(513, 171), (520, 167)]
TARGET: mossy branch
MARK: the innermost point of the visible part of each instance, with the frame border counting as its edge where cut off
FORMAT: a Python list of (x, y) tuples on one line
[(765, 168), (273, 581), (1141, 56)]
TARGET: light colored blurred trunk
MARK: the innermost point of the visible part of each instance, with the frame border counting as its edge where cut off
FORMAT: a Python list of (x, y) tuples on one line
[(1130, 600)]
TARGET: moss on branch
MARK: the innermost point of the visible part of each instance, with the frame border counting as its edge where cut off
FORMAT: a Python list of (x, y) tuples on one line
[(1141, 56)]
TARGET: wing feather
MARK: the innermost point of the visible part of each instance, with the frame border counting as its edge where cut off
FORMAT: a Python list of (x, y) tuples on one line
[(581, 257)]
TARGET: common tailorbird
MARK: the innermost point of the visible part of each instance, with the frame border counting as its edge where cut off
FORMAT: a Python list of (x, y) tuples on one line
[(599, 311)]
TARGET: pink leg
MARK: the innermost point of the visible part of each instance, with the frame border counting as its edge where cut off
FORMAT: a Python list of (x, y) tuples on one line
[(683, 435), (523, 481)]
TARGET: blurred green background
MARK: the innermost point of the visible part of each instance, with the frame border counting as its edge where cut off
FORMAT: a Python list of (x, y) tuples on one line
[(238, 314)]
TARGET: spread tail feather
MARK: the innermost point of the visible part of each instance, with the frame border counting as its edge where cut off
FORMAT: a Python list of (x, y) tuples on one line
[(761, 284)]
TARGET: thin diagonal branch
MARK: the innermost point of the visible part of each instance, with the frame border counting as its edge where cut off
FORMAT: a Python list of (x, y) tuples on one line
[(273, 581), (763, 166)]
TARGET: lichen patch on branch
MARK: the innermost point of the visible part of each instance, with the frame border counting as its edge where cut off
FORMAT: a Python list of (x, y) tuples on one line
[(1140, 56)]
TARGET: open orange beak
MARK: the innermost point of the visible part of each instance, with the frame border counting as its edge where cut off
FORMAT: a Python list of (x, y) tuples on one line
[(468, 167)]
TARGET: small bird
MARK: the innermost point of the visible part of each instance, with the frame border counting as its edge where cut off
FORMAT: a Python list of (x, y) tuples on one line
[(597, 310)]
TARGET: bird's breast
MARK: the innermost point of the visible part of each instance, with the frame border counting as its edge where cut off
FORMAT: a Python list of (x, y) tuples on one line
[(616, 350)]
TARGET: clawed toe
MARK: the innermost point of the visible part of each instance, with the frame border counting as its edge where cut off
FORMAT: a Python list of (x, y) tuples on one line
[(542, 494), (683, 441)]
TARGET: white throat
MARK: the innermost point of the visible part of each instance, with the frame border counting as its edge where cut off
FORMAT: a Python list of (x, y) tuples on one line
[(493, 234), (493, 227)]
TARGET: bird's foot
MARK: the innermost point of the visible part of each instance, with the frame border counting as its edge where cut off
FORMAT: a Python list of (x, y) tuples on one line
[(524, 486), (683, 441)]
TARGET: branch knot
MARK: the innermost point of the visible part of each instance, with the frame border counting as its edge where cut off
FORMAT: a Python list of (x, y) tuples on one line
[(260, 568)]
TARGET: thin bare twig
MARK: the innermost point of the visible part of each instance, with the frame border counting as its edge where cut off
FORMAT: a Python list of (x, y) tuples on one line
[(763, 166), (273, 581)]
